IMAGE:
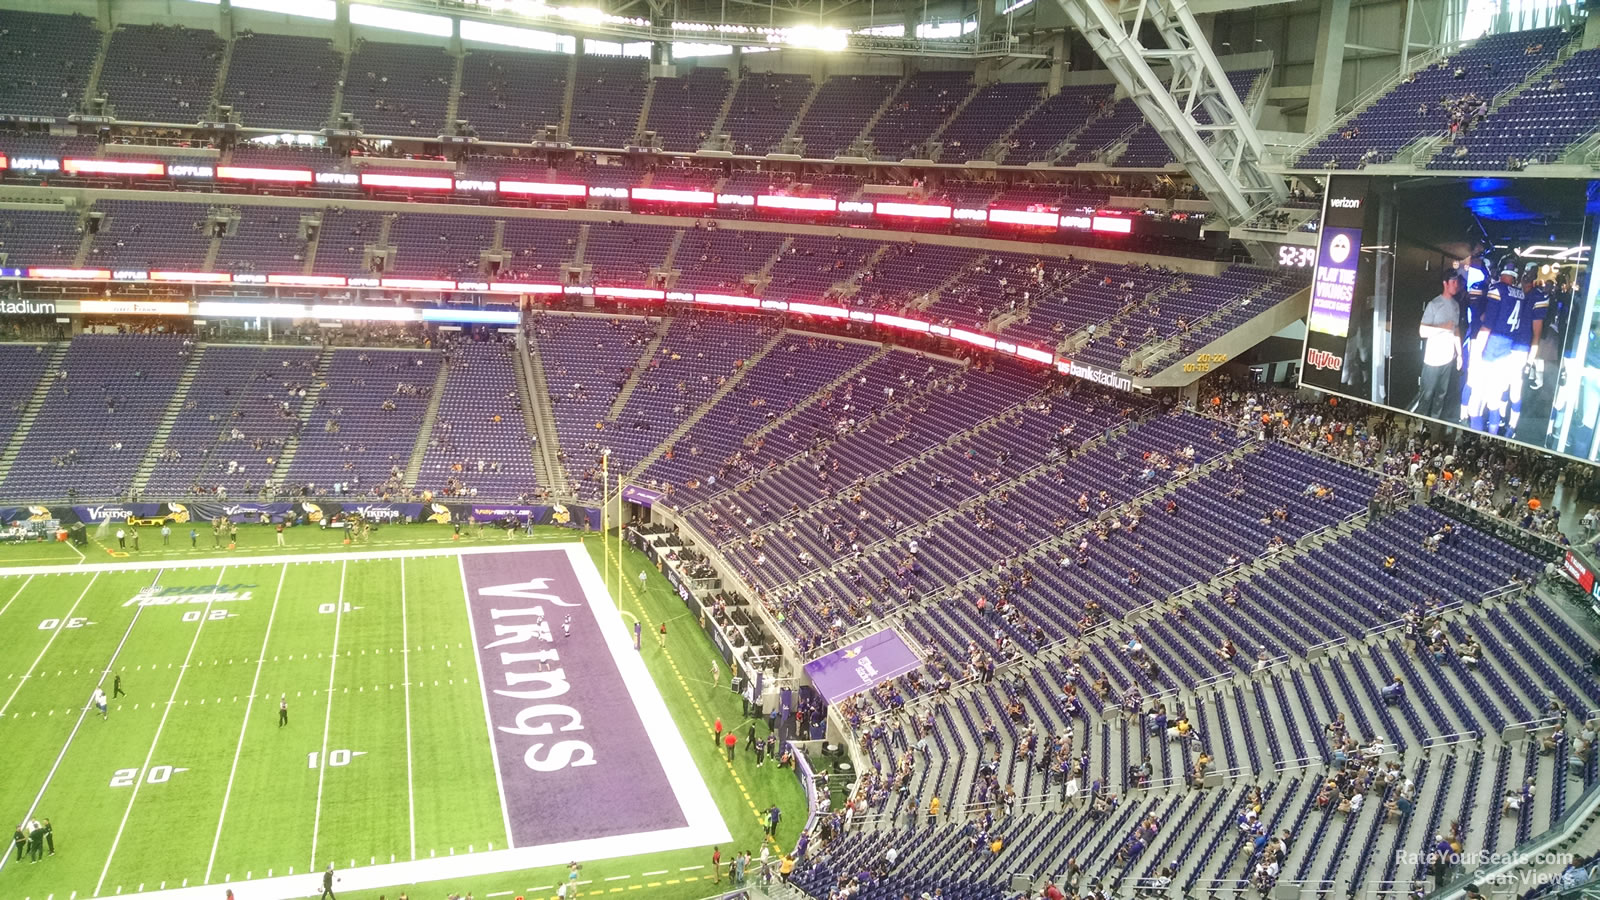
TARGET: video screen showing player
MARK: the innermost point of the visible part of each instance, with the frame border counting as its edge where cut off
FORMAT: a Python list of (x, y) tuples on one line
[(1477, 307)]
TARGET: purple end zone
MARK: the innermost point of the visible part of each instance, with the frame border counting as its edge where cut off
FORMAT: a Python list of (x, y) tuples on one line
[(575, 760)]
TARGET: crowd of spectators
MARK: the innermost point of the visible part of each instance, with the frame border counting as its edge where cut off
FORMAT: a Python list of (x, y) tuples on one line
[(1491, 476)]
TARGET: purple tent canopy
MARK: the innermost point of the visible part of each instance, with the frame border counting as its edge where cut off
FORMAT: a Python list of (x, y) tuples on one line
[(862, 664)]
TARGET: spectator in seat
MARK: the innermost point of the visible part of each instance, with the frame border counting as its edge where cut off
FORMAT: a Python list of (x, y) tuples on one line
[(1393, 691)]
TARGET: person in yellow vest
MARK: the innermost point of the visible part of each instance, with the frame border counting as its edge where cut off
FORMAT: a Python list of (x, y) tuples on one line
[(786, 867)]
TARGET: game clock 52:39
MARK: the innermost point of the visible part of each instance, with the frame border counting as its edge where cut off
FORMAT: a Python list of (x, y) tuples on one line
[(1294, 257)]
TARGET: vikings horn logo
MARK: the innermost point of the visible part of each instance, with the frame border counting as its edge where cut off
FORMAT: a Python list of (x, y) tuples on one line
[(313, 512), (560, 515), (39, 514), (178, 512), (438, 512)]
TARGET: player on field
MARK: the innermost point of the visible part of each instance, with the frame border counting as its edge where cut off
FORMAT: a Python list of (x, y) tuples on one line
[(327, 883), (283, 710), (116, 687), (99, 701)]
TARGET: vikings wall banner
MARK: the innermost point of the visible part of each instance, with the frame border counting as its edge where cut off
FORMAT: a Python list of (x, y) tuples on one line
[(314, 512)]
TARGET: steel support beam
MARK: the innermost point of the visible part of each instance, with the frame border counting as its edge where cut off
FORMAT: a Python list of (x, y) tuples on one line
[(1224, 154)]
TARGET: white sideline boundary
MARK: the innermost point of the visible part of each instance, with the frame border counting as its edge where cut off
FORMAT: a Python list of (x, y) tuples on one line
[(212, 562), (704, 822)]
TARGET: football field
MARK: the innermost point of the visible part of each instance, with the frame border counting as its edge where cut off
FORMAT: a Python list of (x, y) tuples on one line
[(469, 717)]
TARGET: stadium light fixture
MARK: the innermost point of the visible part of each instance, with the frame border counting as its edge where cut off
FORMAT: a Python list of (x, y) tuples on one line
[(810, 37)]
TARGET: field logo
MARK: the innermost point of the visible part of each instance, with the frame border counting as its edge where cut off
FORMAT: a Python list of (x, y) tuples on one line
[(567, 733), (185, 594)]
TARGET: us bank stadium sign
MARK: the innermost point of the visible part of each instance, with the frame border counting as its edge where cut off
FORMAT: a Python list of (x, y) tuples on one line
[(27, 308), (1095, 374)]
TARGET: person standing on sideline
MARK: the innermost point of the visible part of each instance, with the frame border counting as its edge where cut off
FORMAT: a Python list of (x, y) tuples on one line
[(327, 883), (731, 741), (122, 539), (280, 534), (194, 536), (20, 840), (661, 635), (716, 673), (283, 710), (774, 814), (750, 739), (716, 738), (133, 532), (49, 837), (761, 752), (99, 701), (166, 535), (642, 580), (716, 862), (35, 841), (116, 686)]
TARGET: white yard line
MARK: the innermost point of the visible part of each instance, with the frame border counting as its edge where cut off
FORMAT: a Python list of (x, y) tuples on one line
[(53, 635), (81, 716), (205, 616), (250, 700), (212, 562), (488, 717), (327, 715), (405, 660), (14, 597)]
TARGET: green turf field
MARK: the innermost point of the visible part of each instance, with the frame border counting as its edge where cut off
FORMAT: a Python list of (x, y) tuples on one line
[(190, 780)]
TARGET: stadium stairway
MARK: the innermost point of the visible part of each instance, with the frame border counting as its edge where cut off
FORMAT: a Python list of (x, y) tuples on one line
[(158, 439), (30, 412), (566, 101), (338, 90), (452, 107), (789, 137), (91, 88), (720, 125), (319, 381), (693, 418), (425, 427), (539, 418), (845, 377), (649, 353), (644, 110), (222, 78)]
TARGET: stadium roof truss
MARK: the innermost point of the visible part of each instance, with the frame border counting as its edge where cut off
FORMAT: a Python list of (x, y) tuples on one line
[(1223, 155)]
